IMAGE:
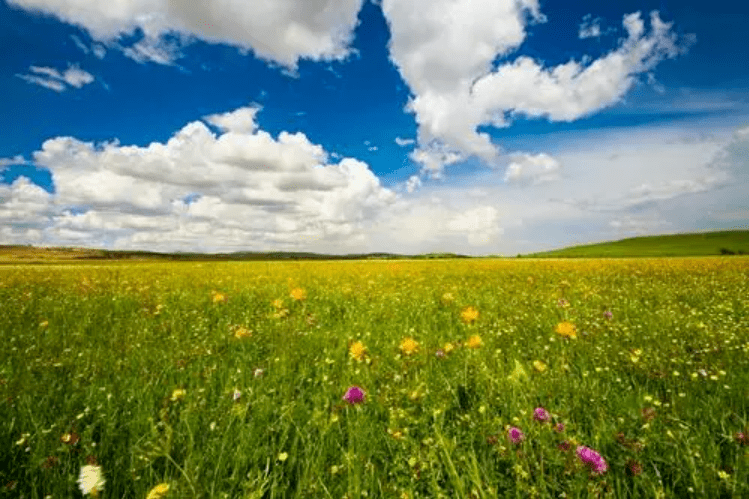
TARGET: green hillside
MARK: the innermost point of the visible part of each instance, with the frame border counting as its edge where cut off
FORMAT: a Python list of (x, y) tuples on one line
[(735, 242)]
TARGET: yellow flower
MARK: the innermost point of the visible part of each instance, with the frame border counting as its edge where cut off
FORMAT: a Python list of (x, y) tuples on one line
[(218, 297), (447, 298), (277, 303), (449, 347), (469, 315), (178, 394), (241, 332), (283, 456), (634, 355), (474, 341), (409, 346), (298, 294), (539, 366), (158, 492), (566, 330), (91, 481), (357, 351)]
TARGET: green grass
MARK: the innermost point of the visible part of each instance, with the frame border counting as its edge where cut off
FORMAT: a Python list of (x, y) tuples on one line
[(699, 244), (93, 355)]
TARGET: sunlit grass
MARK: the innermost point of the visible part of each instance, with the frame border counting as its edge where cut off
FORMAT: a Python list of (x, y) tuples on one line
[(377, 379)]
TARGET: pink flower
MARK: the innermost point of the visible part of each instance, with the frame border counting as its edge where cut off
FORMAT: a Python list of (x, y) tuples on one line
[(593, 459), (515, 435), (541, 414), (354, 395), (608, 314), (559, 427)]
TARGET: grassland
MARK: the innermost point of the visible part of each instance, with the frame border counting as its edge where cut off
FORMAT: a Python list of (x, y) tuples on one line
[(226, 379), (733, 242)]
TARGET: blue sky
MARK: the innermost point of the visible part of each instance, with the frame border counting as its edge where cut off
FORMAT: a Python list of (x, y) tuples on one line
[(473, 126)]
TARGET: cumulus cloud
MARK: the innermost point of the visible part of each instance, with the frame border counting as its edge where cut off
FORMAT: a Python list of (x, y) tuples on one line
[(240, 188), (532, 169), (444, 51), (55, 80), (282, 31), (25, 212)]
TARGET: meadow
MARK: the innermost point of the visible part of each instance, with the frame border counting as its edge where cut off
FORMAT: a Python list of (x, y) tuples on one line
[(395, 379)]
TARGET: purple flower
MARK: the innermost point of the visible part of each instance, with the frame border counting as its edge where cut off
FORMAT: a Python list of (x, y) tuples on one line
[(593, 459), (354, 395), (559, 427), (515, 435), (608, 314), (541, 414)]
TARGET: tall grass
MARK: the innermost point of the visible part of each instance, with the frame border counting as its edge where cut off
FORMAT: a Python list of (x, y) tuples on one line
[(212, 379)]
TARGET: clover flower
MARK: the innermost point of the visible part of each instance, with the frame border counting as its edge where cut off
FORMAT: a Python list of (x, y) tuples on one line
[(592, 459), (354, 395), (515, 435), (542, 415)]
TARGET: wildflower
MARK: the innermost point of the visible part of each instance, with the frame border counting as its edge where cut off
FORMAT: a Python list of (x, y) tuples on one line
[(43, 324), (298, 294), (448, 348), (277, 303), (564, 446), (634, 468), (70, 438), (648, 414), (91, 481), (559, 427), (283, 456), (218, 297), (258, 372), (474, 341), (566, 330), (515, 435), (741, 438), (357, 351), (241, 332), (593, 459), (634, 355), (178, 395), (158, 492), (440, 354), (469, 315), (354, 395), (236, 395), (608, 315), (447, 298), (723, 475), (541, 414), (562, 303), (409, 346), (539, 366)]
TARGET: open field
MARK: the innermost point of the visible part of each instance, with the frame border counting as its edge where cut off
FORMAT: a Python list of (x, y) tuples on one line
[(221, 379), (695, 244)]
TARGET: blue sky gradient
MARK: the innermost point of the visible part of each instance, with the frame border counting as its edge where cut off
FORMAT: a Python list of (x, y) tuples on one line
[(61, 77)]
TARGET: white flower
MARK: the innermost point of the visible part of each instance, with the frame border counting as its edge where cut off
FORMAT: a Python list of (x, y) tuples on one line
[(91, 481)]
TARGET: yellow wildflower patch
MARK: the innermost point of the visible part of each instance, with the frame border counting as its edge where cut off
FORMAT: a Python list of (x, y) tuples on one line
[(469, 315), (357, 351), (409, 346), (566, 330)]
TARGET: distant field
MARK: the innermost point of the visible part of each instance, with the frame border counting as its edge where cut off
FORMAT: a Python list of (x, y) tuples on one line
[(470, 378), (700, 244)]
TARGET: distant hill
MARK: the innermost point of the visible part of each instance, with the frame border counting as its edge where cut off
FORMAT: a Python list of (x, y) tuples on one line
[(31, 254), (734, 242)]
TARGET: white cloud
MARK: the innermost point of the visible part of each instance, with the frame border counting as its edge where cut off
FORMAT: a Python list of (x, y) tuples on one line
[(404, 142), (413, 183), (591, 28), (57, 81), (444, 51), (532, 169), (282, 31)]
